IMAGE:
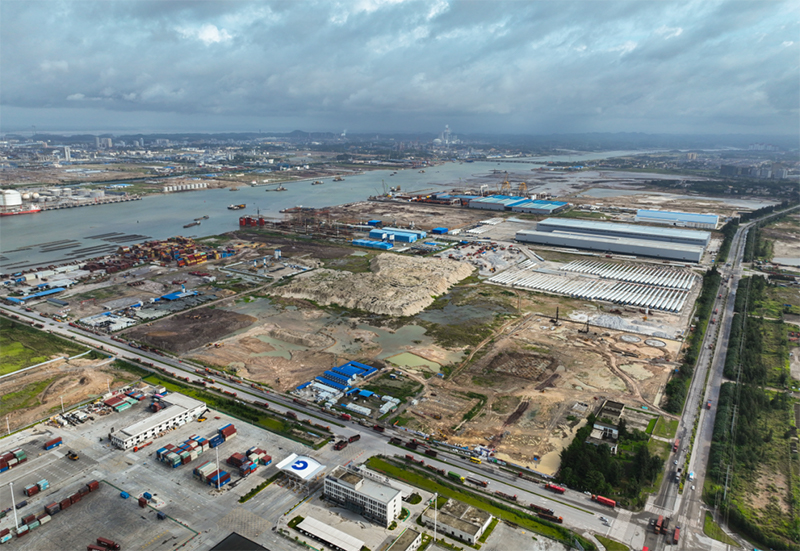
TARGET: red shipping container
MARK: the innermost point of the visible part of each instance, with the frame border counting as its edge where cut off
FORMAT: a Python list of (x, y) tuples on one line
[(93, 485), (83, 491), (186, 459), (32, 491), (142, 502), (4, 531), (28, 519), (75, 498), (65, 504)]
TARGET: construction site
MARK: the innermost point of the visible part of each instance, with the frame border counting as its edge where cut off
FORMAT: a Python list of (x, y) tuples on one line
[(488, 340)]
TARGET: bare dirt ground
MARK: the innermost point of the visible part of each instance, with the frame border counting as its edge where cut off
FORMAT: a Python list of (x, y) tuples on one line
[(785, 237), (402, 214), (293, 247), (189, 330), (539, 388), (75, 381)]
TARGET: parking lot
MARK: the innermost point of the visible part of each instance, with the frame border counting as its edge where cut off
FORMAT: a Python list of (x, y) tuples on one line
[(198, 514)]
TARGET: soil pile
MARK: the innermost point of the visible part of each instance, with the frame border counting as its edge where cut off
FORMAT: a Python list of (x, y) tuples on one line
[(397, 286)]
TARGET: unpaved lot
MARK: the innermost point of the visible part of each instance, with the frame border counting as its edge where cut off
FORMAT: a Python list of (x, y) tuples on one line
[(189, 330), (37, 393)]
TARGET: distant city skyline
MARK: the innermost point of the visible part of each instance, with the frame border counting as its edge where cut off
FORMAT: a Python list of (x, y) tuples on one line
[(538, 67)]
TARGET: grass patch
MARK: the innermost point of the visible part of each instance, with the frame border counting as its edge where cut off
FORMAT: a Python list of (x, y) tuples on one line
[(713, 530), (26, 398), (502, 511), (295, 521), (489, 530), (23, 346), (666, 428), (610, 544), (474, 410), (414, 499), (505, 404), (651, 425), (252, 493), (401, 388), (480, 380)]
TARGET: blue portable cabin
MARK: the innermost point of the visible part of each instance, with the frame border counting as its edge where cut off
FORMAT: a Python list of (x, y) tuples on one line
[(365, 393), (439, 231), (304, 385), (374, 223)]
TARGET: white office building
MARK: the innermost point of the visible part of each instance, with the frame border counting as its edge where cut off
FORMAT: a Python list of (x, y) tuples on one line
[(357, 491), (178, 410), (459, 520)]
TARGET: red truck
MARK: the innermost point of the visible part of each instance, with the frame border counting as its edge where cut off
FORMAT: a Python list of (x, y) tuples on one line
[(378, 428), (554, 488), (604, 501), (340, 445), (108, 544), (676, 535), (354, 438), (675, 445), (346, 416)]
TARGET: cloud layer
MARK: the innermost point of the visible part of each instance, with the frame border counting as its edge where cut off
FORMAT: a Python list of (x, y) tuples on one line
[(393, 65)]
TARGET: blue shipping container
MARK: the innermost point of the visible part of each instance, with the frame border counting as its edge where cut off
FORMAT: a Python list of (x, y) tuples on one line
[(124, 495)]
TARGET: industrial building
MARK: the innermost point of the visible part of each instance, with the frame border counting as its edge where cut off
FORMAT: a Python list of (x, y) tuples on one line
[(178, 410), (496, 202), (359, 492), (387, 234), (680, 219), (459, 520), (539, 206), (625, 231), (330, 536), (668, 243)]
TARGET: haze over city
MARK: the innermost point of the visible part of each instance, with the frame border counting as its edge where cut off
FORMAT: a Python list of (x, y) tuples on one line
[(399, 66)]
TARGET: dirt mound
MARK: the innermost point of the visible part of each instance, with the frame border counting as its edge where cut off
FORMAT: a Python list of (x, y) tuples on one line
[(190, 330), (397, 286), (514, 417)]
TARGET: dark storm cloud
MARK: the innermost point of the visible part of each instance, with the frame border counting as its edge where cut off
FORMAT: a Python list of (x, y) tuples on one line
[(403, 65)]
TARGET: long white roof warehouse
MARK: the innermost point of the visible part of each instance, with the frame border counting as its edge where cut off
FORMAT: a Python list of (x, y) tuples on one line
[(669, 243)]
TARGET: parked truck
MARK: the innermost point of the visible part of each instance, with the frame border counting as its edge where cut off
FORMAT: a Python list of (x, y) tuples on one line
[(108, 544), (354, 438), (340, 445)]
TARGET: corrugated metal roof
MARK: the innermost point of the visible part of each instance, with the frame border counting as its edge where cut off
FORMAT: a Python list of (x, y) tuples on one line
[(678, 216), (600, 239), (572, 224)]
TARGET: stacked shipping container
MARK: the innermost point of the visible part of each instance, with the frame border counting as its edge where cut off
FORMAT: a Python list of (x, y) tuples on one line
[(11, 459), (175, 456), (31, 522)]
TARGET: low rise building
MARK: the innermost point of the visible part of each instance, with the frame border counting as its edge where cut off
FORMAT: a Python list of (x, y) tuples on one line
[(359, 492), (458, 520), (178, 410), (410, 540)]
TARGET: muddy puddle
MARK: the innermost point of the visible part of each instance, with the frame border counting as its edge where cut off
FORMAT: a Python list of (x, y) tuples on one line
[(407, 359), (283, 349)]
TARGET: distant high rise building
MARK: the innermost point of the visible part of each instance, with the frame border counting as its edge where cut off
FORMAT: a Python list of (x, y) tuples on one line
[(106, 143), (96, 142), (67, 155), (691, 156)]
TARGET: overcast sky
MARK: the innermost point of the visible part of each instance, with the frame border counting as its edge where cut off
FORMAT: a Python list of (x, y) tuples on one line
[(392, 65)]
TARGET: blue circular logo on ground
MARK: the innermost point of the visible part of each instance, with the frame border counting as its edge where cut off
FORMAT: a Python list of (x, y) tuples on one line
[(300, 465)]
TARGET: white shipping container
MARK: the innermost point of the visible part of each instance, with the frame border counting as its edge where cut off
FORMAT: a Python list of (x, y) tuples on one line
[(45, 519)]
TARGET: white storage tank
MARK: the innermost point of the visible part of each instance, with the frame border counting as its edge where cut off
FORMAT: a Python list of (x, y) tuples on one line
[(10, 198)]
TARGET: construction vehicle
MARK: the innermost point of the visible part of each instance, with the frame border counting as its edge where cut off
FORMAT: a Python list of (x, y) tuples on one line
[(555, 321)]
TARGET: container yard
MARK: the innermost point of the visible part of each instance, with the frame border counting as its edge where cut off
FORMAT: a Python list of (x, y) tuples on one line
[(195, 512)]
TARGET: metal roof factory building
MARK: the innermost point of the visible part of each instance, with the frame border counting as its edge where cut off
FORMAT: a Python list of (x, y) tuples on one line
[(667, 243), (539, 206), (178, 410), (625, 231), (496, 202), (680, 219)]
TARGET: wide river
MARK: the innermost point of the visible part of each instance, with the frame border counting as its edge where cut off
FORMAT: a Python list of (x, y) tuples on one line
[(162, 216)]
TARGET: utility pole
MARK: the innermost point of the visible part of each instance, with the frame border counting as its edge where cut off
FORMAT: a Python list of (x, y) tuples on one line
[(13, 504), (218, 477)]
